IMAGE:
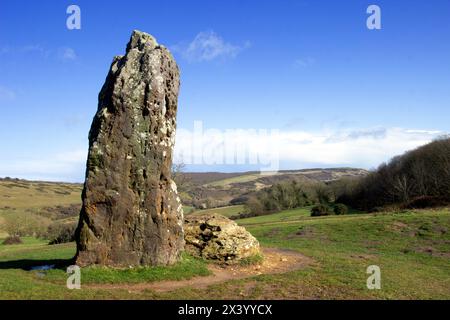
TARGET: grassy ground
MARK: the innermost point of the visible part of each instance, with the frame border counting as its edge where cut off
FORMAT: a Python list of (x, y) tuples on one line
[(188, 209), (17, 280), (411, 248), (225, 211)]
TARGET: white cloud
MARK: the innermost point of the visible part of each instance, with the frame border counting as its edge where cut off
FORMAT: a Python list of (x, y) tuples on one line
[(6, 94), (66, 54), (366, 148), (304, 62), (29, 49), (62, 53), (64, 166), (207, 46)]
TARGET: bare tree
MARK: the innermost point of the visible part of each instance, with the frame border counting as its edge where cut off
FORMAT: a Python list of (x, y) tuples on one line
[(180, 177)]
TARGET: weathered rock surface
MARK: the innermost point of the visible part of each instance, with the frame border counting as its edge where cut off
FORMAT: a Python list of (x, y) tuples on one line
[(131, 213), (218, 238)]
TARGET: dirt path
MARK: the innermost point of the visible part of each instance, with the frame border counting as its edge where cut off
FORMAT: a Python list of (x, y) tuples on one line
[(275, 261)]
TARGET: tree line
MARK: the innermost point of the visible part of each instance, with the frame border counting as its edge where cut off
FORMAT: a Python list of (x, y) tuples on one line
[(419, 178)]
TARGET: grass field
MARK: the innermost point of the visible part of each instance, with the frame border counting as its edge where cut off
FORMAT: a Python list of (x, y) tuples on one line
[(22, 194), (412, 249), (225, 211), (238, 179)]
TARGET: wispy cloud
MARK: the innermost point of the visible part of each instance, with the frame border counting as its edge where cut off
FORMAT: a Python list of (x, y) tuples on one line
[(6, 94), (35, 48), (208, 46), (28, 49), (66, 54), (304, 62), (64, 166), (62, 53)]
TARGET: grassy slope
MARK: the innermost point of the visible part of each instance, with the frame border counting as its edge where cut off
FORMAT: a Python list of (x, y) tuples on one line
[(238, 179), (30, 197), (411, 248), (225, 211), (26, 194)]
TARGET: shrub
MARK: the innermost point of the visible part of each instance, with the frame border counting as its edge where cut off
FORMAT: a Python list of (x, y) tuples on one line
[(283, 196), (423, 202), (12, 240), (239, 200), (61, 232), (340, 208), (320, 210)]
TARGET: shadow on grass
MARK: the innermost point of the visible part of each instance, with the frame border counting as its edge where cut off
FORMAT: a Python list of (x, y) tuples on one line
[(29, 264)]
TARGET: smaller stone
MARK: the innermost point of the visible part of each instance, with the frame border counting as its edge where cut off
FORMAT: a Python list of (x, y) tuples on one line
[(215, 237)]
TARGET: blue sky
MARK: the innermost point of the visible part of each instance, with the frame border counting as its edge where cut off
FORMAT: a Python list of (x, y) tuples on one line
[(338, 93)]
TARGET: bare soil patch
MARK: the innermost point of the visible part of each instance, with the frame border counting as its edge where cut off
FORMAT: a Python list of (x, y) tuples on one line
[(275, 261)]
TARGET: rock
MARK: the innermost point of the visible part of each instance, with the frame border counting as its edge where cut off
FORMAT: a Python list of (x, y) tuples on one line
[(216, 237), (131, 213)]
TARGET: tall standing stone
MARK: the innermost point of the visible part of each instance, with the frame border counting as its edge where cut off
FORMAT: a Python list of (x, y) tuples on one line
[(131, 213)]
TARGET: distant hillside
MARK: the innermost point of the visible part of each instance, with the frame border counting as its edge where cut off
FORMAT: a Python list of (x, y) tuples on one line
[(24, 194), (224, 179), (32, 206), (218, 189), (210, 188)]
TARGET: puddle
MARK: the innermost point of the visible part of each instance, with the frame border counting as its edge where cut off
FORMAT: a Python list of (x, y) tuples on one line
[(43, 268)]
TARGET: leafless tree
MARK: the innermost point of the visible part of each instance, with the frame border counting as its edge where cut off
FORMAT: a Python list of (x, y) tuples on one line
[(180, 177)]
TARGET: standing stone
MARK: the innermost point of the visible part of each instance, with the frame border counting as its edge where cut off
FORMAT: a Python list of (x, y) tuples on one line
[(131, 213)]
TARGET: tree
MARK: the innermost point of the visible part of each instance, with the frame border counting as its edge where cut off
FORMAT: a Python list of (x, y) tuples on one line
[(180, 177)]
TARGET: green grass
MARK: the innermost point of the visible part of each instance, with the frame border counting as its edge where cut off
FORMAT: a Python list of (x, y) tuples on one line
[(412, 249), (187, 268), (188, 209), (344, 246), (287, 215), (224, 211), (17, 282)]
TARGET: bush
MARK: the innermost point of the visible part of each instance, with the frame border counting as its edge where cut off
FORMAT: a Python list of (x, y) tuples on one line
[(320, 210), (12, 240), (340, 208), (423, 202), (239, 200), (283, 196), (61, 233)]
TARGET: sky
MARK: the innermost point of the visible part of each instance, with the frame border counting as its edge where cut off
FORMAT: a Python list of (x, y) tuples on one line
[(300, 83)]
